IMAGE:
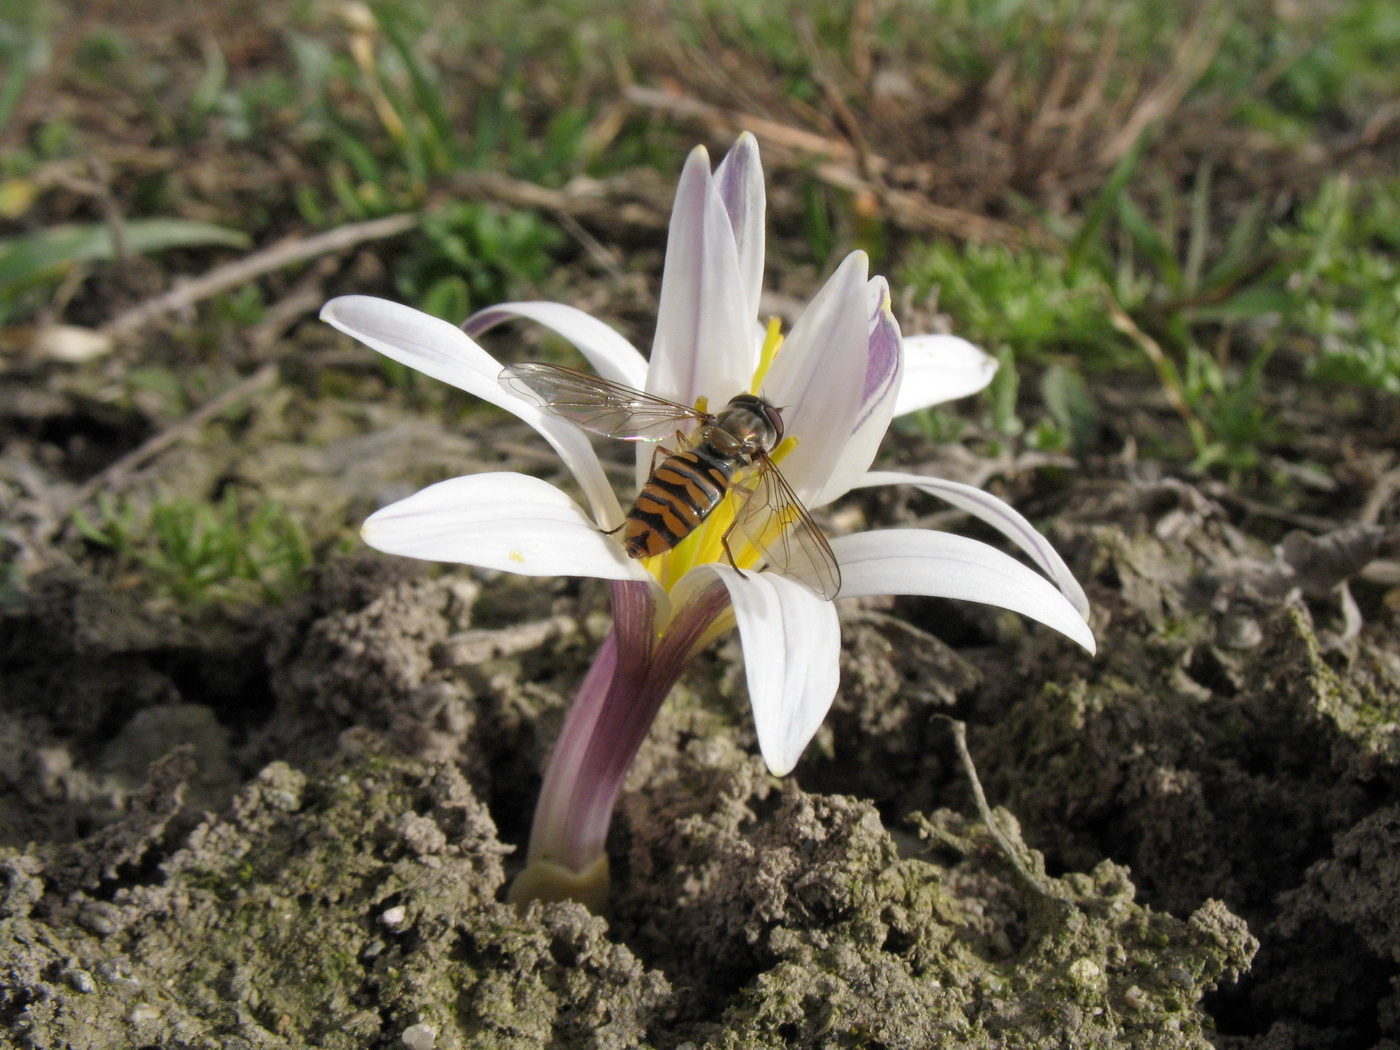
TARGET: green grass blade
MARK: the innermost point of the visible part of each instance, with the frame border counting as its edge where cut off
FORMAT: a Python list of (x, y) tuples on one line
[(52, 250)]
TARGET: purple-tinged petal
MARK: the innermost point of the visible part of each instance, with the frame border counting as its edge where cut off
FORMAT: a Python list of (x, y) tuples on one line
[(611, 356), (445, 352), (604, 727), (704, 335), (942, 565), (1001, 516), (882, 380), (740, 181), (939, 368), (819, 377), (557, 833), (792, 647), (510, 522)]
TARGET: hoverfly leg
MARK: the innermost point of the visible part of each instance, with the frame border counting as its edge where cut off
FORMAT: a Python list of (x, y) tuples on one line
[(729, 554), (658, 454), (741, 493)]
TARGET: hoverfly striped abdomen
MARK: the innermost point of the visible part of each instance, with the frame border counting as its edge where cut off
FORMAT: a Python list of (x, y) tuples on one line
[(678, 496)]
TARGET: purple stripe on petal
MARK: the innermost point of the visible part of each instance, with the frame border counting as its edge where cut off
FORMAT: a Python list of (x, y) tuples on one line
[(885, 350), (739, 180)]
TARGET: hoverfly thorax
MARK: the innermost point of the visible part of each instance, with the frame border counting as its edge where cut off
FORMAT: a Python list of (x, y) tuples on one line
[(746, 427)]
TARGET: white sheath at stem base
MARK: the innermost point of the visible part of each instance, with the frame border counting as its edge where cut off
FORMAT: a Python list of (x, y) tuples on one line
[(544, 880)]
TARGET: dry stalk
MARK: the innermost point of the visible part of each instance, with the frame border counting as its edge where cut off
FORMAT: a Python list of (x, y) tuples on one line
[(233, 275), (906, 208)]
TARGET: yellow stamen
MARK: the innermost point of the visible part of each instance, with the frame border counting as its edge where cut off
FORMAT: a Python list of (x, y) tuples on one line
[(772, 342), (679, 559), (784, 448), (711, 544)]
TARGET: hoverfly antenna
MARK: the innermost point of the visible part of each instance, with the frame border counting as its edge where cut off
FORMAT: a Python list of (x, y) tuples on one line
[(764, 398)]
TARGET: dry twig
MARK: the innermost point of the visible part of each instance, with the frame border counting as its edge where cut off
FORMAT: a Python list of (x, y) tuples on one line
[(232, 275), (1193, 56), (605, 203), (1166, 371), (1007, 847), (905, 208)]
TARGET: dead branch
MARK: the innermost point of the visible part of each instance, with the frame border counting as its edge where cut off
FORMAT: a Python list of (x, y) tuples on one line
[(1193, 56), (907, 209), (233, 275)]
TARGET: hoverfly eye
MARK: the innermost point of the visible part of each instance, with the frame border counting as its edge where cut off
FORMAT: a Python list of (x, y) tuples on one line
[(774, 415)]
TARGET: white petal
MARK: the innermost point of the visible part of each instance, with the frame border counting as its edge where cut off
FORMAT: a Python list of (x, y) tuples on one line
[(939, 564), (792, 648), (704, 337), (1001, 516), (939, 368), (445, 352), (884, 361), (611, 356), (740, 181), (818, 377), (511, 522)]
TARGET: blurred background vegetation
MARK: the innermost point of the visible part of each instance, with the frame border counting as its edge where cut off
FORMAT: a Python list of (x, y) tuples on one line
[(1178, 227)]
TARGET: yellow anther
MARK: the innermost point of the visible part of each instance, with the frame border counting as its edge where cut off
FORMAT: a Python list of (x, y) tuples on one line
[(772, 343), (784, 448)]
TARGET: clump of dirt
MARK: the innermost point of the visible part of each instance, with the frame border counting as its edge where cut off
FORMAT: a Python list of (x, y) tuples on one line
[(340, 909), (351, 898), (806, 924), (357, 906), (1237, 737), (1230, 757)]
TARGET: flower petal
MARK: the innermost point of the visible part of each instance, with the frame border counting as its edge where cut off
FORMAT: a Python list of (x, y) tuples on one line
[(704, 335), (611, 356), (740, 181), (792, 647), (882, 381), (511, 522), (939, 368), (445, 352), (818, 377), (942, 565), (1001, 516)]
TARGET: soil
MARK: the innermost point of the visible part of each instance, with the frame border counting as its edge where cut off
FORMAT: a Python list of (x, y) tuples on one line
[(294, 829)]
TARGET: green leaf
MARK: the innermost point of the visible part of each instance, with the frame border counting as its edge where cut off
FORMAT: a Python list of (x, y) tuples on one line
[(1070, 404), (43, 253), (1255, 301)]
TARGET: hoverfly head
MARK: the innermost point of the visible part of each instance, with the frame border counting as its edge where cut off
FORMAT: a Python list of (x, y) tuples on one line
[(761, 422)]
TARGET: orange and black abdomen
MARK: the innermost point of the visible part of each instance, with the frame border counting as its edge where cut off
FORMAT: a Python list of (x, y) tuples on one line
[(682, 492)]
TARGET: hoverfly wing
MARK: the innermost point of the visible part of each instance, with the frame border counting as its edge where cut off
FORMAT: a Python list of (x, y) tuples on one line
[(775, 522), (599, 405)]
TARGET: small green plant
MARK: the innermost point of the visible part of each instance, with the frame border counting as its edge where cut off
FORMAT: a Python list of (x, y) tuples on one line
[(473, 254), (205, 552), (1345, 293), (402, 140), (1191, 282), (1026, 297)]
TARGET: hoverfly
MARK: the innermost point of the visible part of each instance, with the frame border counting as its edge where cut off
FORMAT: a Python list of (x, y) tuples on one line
[(716, 454)]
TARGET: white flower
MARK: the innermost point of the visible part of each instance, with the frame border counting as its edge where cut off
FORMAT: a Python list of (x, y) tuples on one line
[(839, 376)]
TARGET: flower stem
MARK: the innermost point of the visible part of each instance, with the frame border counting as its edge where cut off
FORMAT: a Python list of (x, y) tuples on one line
[(632, 673)]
